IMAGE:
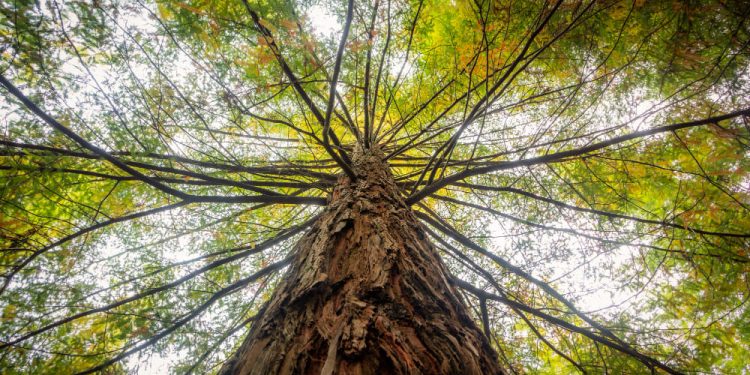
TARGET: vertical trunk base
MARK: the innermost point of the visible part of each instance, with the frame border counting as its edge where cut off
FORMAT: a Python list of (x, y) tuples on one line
[(366, 294)]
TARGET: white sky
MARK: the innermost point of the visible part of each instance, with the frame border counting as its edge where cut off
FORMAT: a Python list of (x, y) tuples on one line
[(323, 22)]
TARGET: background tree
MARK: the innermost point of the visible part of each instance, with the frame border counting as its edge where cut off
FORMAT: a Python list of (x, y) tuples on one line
[(581, 167)]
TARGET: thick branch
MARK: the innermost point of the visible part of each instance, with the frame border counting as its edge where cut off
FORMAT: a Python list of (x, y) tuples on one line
[(260, 247), (612, 215), (648, 361), (504, 165)]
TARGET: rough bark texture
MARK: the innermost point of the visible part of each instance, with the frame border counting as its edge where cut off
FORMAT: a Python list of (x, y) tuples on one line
[(366, 294)]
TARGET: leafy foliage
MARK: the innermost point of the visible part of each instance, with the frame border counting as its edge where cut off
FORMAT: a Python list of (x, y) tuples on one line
[(581, 164)]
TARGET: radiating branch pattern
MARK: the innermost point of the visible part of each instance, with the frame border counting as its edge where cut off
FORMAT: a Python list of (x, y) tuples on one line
[(580, 167)]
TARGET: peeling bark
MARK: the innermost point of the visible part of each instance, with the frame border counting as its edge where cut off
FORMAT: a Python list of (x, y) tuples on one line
[(367, 293)]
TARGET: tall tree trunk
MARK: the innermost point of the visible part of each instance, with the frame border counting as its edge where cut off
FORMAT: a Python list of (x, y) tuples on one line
[(366, 294)]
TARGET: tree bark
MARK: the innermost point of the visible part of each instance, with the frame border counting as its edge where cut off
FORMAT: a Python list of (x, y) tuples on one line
[(367, 293)]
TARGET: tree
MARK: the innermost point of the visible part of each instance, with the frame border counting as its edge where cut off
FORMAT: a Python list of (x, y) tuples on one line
[(381, 186)]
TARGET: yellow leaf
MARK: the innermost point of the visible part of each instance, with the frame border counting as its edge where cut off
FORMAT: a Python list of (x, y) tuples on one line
[(189, 8), (9, 313)]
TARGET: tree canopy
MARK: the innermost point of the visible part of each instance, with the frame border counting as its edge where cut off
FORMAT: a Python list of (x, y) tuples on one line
[(581, 165)]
